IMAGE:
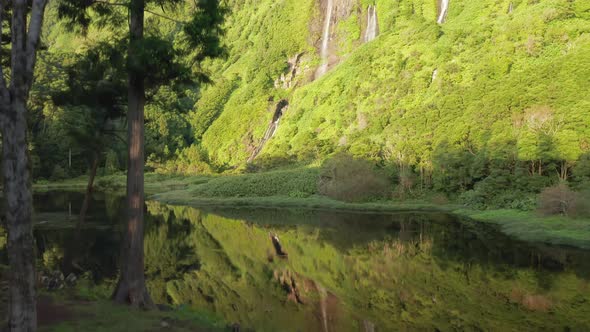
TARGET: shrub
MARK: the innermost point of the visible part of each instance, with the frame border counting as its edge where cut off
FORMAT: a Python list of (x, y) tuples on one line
[(58, 173), (473, 199), (189, 161), (352, 180), (293, 183), (560, 199)]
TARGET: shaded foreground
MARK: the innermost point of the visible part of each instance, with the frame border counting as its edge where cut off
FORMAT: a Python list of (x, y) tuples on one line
[(339, 271)]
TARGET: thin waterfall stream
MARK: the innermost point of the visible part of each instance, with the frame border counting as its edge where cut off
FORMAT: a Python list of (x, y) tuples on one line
[(372, 25), (324, 51), (272, 128), (444, 8)]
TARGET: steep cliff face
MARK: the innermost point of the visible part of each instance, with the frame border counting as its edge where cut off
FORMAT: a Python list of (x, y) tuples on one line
[(441, 72)]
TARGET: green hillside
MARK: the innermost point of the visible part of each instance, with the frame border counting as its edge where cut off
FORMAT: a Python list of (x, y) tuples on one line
[(491, 104), (497, 73)]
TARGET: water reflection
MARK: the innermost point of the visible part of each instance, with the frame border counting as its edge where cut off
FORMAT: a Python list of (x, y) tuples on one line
[(341, 271)]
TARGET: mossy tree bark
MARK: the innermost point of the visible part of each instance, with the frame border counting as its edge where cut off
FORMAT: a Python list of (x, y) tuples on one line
[(15, 164)]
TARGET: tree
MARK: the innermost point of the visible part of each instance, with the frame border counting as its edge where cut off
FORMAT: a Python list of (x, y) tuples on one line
[(152, 60), (93, 104), (13, 124)]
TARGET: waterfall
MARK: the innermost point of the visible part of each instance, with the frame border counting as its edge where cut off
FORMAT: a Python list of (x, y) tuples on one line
[(272, 128), (371, 32), (510, 8), (444, 7), (434, 74), (325, 52)]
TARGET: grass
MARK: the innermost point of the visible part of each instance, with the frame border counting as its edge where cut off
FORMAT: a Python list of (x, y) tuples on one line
[(530, 226), (104, 315), (294, 188), (88, 309)]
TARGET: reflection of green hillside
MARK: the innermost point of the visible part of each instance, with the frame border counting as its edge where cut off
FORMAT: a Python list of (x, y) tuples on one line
[(414, 275)]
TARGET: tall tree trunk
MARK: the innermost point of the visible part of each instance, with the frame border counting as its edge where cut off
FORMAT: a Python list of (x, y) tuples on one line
[(131, 287), (15, 164), (17, 192)]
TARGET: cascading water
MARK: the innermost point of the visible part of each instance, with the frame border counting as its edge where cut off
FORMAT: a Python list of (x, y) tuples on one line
[(434, 74), (510, 8), (444, 7), (272, 128), (325, 51), (372, 25)]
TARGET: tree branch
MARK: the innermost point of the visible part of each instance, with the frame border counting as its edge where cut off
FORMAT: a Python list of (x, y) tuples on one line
[(164, 16), (34, 35), (145, 10)]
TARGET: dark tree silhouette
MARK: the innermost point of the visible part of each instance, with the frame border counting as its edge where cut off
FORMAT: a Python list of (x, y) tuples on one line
[(14, 94)]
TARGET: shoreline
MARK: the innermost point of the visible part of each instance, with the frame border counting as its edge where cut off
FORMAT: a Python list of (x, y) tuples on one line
[(523, 225)]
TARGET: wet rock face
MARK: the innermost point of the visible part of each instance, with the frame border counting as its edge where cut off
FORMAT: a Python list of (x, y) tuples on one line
[(287, 80), (332, 12), (343, 8)]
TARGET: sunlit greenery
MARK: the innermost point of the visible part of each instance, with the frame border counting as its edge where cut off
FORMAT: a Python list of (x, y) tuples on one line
[(487, 109)]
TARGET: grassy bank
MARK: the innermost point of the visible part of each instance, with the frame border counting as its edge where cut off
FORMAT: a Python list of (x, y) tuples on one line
[(59, 313), (72, 309), (297, 188)]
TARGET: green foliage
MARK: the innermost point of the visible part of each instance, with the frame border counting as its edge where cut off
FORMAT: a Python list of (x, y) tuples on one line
[(58, 173), (581, 171), (506, 111), (353, 180), (381, 103), (295, 183), (189, 161)]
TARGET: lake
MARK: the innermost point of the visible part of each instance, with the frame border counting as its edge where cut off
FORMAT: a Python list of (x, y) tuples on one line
[(332, 271)]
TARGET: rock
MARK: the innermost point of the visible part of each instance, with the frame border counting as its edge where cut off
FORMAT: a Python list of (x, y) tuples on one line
[(164, 324), (52, 284), (71, 279)]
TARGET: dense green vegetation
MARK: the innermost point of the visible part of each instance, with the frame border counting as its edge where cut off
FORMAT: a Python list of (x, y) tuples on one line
[(487, 109)]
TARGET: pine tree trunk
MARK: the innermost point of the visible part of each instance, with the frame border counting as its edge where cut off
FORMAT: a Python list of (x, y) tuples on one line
[(131, 287), (19, 206)]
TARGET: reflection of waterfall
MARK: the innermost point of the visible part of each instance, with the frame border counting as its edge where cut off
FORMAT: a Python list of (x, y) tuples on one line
[(368, 326), (325, 52), (323, 305), (272, 128), (444, 7), (372, 25)]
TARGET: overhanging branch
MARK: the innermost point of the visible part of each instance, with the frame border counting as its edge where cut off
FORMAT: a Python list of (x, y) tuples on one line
[(121, 4)]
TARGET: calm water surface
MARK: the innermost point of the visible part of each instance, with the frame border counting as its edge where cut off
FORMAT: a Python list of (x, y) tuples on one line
[(341, 272)]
